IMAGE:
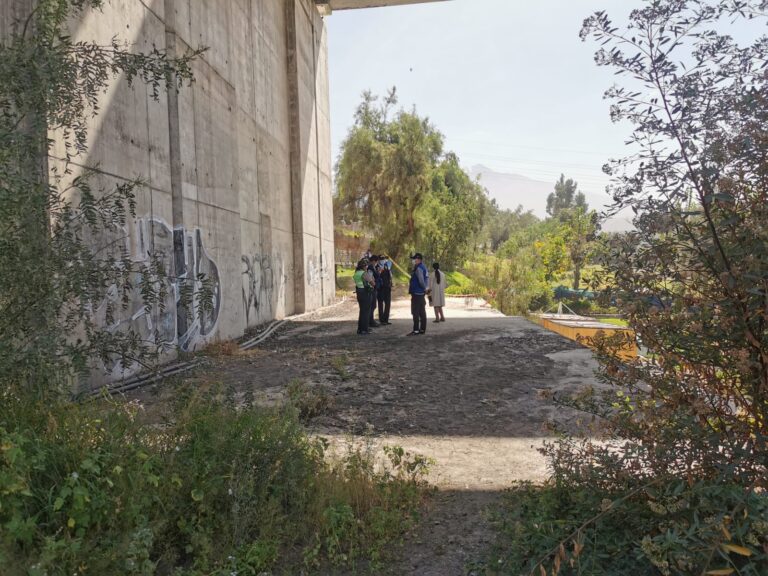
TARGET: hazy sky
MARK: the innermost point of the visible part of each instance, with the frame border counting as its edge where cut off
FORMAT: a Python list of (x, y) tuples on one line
[(508, 82)]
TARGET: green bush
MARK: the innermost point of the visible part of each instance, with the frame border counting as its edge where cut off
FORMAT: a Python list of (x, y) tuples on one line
[(580, 523), (89, 489), (456, 290)]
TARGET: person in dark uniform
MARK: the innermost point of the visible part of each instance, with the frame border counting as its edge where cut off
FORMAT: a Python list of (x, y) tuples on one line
[(373, 265), (363, 292), (384, 294), (418, 288)]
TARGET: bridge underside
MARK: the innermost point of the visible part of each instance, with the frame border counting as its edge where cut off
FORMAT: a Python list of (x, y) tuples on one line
[(328, 5)]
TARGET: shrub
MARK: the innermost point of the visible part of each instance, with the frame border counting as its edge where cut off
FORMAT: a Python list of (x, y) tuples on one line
[(587, 520), (62, 249), (511, 285), (456, 290), (677, 483), (89, 489), (309, 401)]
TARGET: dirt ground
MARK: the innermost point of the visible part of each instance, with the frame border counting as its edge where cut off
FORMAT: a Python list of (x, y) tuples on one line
[(472, 394)]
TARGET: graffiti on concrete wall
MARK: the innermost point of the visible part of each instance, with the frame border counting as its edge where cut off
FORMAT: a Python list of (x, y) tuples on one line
[(187, 269), (193, 268), (326, 268), (263, 286), (317, 270), (313, 271)]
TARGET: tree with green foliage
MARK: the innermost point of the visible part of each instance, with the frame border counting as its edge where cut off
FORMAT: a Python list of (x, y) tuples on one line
[(565, 197), (553, 253), (501, 225), (452, 215), (579, 225), (385, 171), (59, 253), (580, 230), (676, 483)]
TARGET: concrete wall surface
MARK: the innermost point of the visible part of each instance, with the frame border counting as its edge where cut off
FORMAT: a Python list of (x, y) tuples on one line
[(237, 167)]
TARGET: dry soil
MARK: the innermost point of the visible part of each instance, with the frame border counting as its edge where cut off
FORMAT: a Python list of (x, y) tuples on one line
[(473, 394)]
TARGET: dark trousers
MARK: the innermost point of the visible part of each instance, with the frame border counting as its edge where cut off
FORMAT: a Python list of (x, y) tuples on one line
[(364, 302), (385, 302), (419, 312), (372, 309)]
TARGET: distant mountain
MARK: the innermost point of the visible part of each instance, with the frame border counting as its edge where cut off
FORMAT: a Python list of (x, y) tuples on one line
[(513, 190)]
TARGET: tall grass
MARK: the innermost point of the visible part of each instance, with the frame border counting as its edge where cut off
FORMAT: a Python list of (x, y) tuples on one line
[(90, 489)]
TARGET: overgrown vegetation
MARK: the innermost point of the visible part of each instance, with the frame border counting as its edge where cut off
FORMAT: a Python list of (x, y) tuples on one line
[(90, 489), (676, 482), (64, 275)]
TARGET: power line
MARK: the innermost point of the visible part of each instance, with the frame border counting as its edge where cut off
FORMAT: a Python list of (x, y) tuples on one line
[(539, 162), (527, 147)]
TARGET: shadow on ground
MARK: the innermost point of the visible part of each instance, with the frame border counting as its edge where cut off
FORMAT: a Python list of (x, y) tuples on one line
[(474, 394)]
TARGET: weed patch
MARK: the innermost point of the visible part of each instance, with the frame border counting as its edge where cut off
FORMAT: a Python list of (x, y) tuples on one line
[(89, 489), (340, 364), (310, 401)]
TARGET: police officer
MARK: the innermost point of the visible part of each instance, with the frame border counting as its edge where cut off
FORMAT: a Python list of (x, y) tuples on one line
[(384, 293)]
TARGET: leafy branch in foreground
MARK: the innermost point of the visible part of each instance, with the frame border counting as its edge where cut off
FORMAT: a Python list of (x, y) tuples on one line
[(64, 266), (677, 485)]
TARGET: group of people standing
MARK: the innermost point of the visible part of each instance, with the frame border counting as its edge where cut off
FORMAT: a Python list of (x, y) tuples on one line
[(373, 287)]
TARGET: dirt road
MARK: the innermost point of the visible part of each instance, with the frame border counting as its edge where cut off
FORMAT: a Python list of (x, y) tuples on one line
[(471, 394)]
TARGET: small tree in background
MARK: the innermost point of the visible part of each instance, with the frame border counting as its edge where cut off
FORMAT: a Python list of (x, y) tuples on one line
[(579, 224), (565, 197), (59, 250), (580, 229), (553, 252)]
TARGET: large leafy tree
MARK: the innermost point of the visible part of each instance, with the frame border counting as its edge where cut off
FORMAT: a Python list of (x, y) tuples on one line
[(59, 252), (452, 214), (385, 171), (694, 271)]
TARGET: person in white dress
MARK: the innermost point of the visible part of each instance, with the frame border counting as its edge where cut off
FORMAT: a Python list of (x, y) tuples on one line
[(437, 286)]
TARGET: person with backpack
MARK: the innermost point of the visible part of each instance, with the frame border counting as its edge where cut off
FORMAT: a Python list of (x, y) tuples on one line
[(384, 293), (418, 289), (437, 293), (363, 291)]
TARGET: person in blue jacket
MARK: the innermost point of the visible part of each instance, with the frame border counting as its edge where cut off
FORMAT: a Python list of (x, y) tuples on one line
[(418, 289)]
